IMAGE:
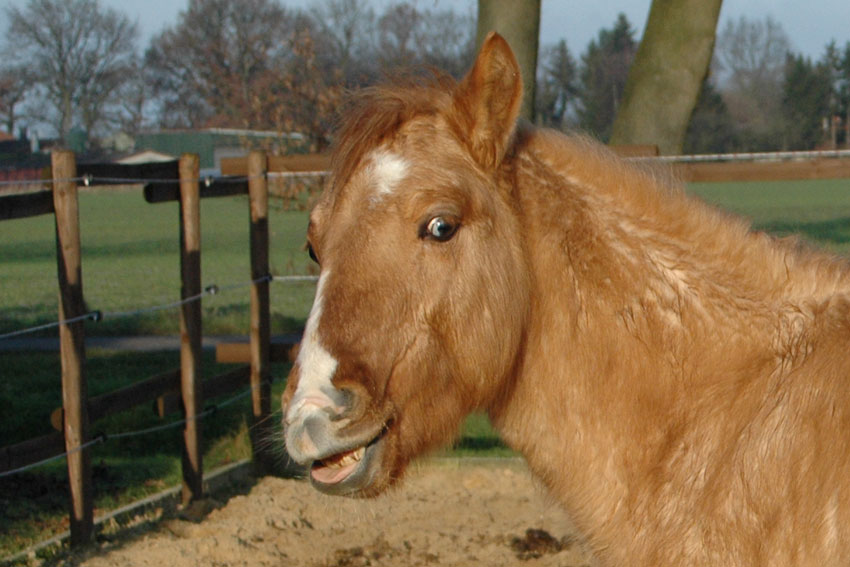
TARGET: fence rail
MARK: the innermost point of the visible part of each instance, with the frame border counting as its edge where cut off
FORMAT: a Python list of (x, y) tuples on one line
[(786, 170)]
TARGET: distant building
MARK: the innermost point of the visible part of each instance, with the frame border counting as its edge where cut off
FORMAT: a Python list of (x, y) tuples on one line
[(213, 144), (22, 154), (145, 156)]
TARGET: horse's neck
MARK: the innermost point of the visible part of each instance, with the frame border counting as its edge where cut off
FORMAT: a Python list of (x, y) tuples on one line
[(593, 277), (620, 231), (642, 304)]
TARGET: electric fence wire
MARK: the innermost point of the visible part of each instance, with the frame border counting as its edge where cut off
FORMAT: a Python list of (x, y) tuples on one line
[(104, 437), (91, 180), (285, 174), (295, 279), (98, 316)]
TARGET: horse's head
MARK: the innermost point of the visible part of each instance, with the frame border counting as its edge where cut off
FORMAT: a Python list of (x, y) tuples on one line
[(422, 298)]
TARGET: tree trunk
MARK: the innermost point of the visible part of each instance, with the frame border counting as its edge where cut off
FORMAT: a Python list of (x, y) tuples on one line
[(667, 74), (518, 21)]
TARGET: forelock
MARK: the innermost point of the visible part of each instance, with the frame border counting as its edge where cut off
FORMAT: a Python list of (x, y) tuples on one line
[(374, 115)]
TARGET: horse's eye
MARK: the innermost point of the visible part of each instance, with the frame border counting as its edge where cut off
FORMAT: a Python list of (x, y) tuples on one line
[(312, 253), (440, 229)]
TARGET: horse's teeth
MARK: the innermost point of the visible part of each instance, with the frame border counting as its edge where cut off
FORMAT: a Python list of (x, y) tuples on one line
[(354, 456), (347, 459)]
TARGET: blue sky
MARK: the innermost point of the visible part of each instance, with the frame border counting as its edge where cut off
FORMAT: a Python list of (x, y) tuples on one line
[(809, 24)]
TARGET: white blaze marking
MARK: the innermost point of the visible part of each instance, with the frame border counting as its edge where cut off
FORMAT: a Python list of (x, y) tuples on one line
[(386, 170), (317, 365)]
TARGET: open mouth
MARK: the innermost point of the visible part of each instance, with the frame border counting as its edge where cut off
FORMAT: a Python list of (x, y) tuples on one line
[(347, 472), (336, 468)]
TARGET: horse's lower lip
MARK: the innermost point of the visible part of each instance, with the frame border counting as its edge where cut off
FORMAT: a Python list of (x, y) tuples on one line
[(348, 472)]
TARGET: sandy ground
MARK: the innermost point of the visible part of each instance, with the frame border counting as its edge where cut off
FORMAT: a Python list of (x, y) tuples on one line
[(446, 513)]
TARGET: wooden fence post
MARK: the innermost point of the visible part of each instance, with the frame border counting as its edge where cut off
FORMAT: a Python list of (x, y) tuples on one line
[(190, 326), (72, 345), (260, 335)]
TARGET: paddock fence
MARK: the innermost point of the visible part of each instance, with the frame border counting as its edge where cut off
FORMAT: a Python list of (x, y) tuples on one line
[(183, 387)]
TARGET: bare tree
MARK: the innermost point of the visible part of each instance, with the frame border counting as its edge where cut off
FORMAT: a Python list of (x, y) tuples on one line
[(751, 51), (78, 53), (750, 59), (349, 25), (404, 36), (208, 65), (448, 40), (245, 64), (313, 92), (137, 96), (15, 81), (397, 29)]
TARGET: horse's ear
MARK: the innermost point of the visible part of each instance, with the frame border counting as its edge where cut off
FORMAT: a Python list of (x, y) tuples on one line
[(486, 103)]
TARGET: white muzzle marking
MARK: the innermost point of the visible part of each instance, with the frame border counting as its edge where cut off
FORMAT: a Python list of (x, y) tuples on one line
[(316, 366)]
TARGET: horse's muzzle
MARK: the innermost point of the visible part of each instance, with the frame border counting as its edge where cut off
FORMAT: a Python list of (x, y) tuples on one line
[(312, 435)]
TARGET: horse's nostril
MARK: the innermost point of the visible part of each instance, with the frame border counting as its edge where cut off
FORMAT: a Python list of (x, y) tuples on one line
[(342, 400), (336, 413)]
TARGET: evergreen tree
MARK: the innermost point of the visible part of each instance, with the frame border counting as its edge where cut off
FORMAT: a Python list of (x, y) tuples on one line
[(711, 129), (838, 62), (806, 101), (556, 86), (604, 69)]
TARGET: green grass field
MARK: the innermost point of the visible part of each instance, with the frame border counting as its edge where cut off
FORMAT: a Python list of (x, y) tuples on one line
[(130, 261), (819, 211)]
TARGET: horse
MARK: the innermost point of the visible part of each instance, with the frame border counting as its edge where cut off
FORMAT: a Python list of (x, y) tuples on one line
[(677, 381)]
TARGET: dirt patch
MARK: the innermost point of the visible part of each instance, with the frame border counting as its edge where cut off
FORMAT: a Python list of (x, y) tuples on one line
[(445, 514)]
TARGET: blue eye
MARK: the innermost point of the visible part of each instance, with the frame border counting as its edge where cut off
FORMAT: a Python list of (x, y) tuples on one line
[(440, 229)]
